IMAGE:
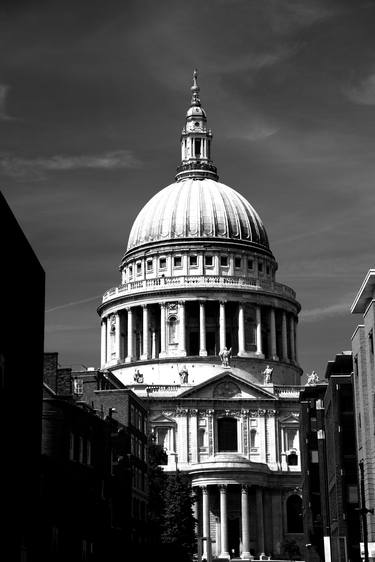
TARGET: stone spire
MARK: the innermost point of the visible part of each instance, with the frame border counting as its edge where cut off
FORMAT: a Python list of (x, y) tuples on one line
[(196, 141)]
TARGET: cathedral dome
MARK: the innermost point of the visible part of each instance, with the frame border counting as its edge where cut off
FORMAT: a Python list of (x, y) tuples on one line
[(198, 208)]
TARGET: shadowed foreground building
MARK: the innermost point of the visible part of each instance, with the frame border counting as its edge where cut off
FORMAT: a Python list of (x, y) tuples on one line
[(93, 478), (21, 378), (198, 281), (364, 387), (329, 457)]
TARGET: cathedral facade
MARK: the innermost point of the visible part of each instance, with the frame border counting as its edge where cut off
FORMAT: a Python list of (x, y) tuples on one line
[(200, 329)]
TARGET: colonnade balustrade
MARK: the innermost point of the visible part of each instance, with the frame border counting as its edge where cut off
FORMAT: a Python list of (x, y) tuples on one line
[(143, 332), (255, 509)]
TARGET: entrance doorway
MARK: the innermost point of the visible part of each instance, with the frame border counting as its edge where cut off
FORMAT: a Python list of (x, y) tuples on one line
[(234, 537)]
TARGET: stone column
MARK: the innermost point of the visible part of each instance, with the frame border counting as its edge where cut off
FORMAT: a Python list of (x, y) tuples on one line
[(103, 342), (259, 331), (153, 343), (130, 356), (222, 325), (163, 352), (109, 338), (292, 338), (194, 436), (223, 522), (245, 522), (241, 330), (206, 523), (273, 349), (195, 512), (182, 328), (284, 337), (145, 330), (202, 330), (260, 520), (118, 337)]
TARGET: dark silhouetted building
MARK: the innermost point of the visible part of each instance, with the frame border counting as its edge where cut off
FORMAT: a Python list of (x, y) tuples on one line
[(21, 375)]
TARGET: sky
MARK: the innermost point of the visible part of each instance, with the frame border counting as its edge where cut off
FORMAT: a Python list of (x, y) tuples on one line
[(93, 97)]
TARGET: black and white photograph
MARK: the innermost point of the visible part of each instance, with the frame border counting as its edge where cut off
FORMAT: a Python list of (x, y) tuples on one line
[(187, 327)]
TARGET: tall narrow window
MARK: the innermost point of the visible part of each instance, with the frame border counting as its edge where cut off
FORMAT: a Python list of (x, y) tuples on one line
[(294, 514), (197, 147)]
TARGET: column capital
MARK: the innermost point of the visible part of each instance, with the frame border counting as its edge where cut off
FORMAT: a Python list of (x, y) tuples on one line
[(223, 488), (204, 489), (163, 304), (245, 488)]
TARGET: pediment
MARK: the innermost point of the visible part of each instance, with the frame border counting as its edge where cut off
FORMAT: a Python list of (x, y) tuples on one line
[(290, 419), (228, 386), (162, 419)]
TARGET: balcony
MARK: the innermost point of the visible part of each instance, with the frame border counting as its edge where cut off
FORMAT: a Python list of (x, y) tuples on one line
[(200, 282)]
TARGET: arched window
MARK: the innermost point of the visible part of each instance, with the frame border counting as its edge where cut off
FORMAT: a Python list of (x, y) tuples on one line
[(227, 434), (172, 322), (294, 514)]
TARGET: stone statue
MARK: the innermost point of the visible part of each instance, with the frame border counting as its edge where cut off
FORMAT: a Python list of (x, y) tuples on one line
[(184, 375), (312, 379), (138, 377), (225, 355), (267, 375)]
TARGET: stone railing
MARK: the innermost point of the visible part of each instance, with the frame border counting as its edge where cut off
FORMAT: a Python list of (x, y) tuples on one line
[(289, 391), (200, 281)]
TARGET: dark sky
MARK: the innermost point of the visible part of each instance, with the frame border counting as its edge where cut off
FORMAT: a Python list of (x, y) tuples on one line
[(92, 101)]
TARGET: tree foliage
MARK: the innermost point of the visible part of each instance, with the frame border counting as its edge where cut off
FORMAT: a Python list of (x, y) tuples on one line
[(178, 523)]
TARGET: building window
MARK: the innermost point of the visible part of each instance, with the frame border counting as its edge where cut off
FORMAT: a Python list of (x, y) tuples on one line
[(139, 268), (202, 437), (314, 456), (208, 260), (163, 263), (237, 263), (193, 260), (130, 271), (149, 265), (177, 261), (165, 437), (292, 459), (78, 386), (253, 439), (371, 341), (294, 514), (197, 147), (227, 434), (268, 269), (250, 264), (260, 267), (224, 261)]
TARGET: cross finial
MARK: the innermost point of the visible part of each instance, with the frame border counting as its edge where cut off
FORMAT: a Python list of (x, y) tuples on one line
[(195, 89)]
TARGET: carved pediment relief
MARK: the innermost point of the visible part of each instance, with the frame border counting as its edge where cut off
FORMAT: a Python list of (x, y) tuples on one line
[(226, 389)]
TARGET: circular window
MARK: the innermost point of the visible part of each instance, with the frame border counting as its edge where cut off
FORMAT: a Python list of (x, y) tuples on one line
[(196, 124)]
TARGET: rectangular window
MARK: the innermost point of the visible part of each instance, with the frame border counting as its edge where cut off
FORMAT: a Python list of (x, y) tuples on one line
[(268, 269), (224, 261), (163, 263), (208, 260), (197, 147), (78, 386), (314, 457), (177, 261), (139, 268), (371, 341), (237, 262), (260, 267), (149, 265), (130, 271), (193, 260), (250, 264)]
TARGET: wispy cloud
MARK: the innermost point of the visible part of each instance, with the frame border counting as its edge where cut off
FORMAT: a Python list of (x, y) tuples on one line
[(364, 92), (36, 168), (74, 303), (52, 328), (4, 90), (317, 314)]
